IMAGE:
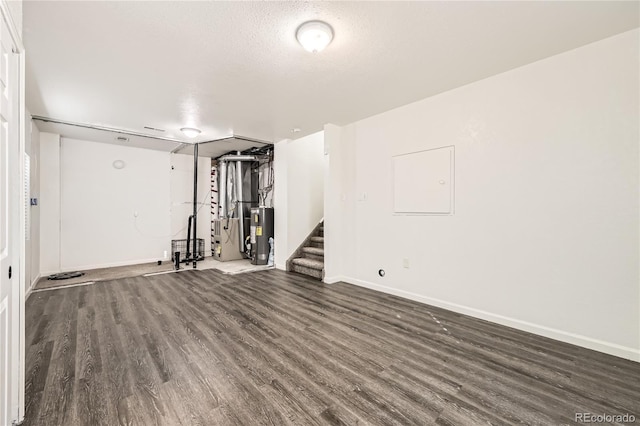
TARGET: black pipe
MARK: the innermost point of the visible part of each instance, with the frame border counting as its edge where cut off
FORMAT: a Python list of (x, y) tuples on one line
[(176, 258), (195, 203), (188, 256)]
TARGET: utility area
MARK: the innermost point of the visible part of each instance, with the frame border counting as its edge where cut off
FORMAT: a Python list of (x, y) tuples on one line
[(242, 224), (242, 214)]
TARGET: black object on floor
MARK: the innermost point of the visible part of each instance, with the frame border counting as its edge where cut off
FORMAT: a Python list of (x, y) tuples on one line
[(65, 275)]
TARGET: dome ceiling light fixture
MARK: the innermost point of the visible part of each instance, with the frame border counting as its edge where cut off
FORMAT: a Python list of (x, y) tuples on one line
[(314, 36), (190, 132)]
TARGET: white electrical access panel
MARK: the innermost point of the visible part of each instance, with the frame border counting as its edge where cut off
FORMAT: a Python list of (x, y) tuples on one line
[(423, 182)]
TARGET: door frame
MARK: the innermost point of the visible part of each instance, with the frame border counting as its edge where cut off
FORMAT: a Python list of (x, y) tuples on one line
[(18, 297)]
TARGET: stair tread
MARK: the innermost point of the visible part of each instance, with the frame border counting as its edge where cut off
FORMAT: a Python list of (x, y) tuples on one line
[(308, 263), (318, 239), (313, 250)]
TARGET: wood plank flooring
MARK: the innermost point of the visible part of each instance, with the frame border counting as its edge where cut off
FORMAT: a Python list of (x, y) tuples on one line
[(203, 348)]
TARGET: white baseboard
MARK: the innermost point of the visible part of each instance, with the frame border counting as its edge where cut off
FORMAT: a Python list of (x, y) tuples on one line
[(281, 266), (334, 279), (552, 333), (103, 265), (31, 286)]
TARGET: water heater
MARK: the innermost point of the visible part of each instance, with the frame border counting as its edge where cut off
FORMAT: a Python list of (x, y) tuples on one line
[(261, 230)]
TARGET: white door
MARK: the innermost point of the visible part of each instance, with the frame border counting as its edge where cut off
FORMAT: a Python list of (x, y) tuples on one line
[(9, 228)]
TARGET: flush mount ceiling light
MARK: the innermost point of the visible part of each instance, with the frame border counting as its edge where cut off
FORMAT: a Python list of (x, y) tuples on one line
[(314, 36), (190, 132)]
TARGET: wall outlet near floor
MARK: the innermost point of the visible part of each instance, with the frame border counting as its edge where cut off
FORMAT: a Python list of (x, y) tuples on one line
[(405, 263)]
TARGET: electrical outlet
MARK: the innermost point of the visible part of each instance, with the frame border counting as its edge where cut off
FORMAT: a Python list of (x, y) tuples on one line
[(405, 263)]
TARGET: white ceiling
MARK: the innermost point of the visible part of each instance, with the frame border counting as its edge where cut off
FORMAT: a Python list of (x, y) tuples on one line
[(236, 68), (211, 149)]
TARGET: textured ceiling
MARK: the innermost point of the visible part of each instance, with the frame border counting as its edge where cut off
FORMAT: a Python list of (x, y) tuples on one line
[(236, 68)]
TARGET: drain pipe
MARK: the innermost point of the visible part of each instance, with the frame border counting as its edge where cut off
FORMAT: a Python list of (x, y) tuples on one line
[(195, 204)]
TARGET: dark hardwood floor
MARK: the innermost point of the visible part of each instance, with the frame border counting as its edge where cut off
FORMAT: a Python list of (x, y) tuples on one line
[(202, 348)]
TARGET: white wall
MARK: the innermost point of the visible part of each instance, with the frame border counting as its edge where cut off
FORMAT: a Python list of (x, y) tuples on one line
[(112, 216), (545, 235), (49, 203), (182, 198), (299, 192), (280, 203), (94, 216), (32, 245)]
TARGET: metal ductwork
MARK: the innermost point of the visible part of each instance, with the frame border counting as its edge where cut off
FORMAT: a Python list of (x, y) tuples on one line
[(222, 189), (233, 157), (240, 201), (232, 168), (223, 179)]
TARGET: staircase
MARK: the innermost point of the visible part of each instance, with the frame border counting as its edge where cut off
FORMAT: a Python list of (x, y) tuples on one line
[(308, 259)]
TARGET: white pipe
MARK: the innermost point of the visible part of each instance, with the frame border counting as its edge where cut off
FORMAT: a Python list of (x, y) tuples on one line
[(240, 206), (222, 189)]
